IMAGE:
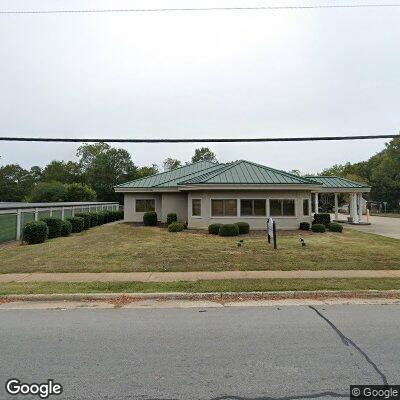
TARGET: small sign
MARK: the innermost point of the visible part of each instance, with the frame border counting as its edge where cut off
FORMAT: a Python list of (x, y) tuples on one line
[(270, 227)]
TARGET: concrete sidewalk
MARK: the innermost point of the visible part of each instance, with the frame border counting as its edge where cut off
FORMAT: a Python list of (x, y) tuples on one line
[(194, 276)]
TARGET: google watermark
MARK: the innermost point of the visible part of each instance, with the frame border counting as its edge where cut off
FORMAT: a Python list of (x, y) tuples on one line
[(42, 390), (375, 392)]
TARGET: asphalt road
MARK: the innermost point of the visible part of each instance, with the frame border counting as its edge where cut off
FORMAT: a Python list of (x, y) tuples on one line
[(254, 353)]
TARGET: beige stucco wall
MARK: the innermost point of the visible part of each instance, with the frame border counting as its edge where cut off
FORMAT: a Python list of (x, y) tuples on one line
[(130, 215), (175, 203), (255, 222)]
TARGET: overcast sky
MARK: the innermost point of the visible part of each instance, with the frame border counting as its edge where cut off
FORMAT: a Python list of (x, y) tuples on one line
[(200, 74)]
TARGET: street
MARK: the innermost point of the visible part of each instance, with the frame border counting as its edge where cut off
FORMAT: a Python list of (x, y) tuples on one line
[(241, 353)]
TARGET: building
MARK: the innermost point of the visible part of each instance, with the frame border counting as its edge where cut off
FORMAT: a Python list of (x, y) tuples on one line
[(204, 193)]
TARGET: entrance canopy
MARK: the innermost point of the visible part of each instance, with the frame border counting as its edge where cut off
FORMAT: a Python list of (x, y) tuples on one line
[(337, 185)]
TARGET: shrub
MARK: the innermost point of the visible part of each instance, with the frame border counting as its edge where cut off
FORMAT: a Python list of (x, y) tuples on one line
[(120, 214), (319, 228), (86, 219), (304, 226), (213, 229), (244, 227), (35, 232), (324, 219), (94, 219), (335, 227), (101, 218), (150, 218), (171, 217), (229, 230), (66, 228), (54, 225), (78, 224), (176, 227)]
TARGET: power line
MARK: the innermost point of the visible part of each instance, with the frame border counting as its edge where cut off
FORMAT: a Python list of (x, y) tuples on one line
[(198, 140), (156, 10)]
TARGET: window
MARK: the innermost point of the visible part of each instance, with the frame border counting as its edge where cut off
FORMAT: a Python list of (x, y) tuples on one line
[(252, 208), (145, 205), (306, 207), (196, 207), (282, 208), (224, 208)]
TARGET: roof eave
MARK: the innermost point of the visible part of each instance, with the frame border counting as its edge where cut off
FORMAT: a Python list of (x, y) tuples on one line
[(253, 186)]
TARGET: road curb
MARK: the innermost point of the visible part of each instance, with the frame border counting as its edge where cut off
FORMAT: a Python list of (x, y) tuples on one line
[(214, 296)]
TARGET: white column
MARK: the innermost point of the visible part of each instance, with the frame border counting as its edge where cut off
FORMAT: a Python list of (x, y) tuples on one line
[(336, 207), (316, 203), (36, 214), (18, 224), (62, 213), (359, 201), (353, 209)]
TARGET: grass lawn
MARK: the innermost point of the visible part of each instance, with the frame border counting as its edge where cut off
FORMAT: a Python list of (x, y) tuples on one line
[(244, 285), (124, 248)]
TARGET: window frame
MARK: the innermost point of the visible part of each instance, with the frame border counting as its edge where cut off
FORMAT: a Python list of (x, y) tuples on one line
[(252, 207), (201, 208), (282, 199), (224, 216), (145, 199)]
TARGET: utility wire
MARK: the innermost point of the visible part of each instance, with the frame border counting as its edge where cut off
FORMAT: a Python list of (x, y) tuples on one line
[(197, 140), (156, 10)]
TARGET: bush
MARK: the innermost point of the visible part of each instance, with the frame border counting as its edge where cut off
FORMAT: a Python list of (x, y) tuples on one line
[(35, 232), (335, 227), (213, 229), (94, 219), (176, 227), (150, 218), (66, 228), (86, 219), (229, 230), (244, 227), (78, 224), (304, 226), (54, 225), (319, 228), (171, 217), (101, 218), (120, 214), (324, 219)]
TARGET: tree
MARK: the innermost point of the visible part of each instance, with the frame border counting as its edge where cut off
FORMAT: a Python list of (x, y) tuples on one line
[(15, 183), (171, 164), (51, 192), (61, 171), (79, 192), (203, 154)]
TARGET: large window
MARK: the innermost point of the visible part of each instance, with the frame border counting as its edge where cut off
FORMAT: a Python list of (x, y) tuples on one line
[(282, 208), (196, 207), (253, 208), (306, 207), (145, 205), (224, 208)]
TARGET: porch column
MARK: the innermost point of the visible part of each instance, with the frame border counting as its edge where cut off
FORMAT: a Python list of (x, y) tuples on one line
[(336, 207), (353, 208), (316, 203), (359, 201)]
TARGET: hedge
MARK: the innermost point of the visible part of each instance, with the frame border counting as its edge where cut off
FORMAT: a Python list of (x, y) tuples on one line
[(54, 225), (244, 227), (171, 217), (323, 218), (213, 229), (229, 230), (78, 224), (86, 219), (335, 227), (304, 226), (150, 218), (66, 228), (94, 219), (35, 232), (318, 228), (176, 227)]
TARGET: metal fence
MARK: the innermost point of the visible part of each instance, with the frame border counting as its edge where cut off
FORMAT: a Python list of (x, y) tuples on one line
[(14, 216)]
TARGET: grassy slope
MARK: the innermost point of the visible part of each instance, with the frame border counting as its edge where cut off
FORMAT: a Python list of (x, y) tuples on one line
[(245, 285), (123, 248)]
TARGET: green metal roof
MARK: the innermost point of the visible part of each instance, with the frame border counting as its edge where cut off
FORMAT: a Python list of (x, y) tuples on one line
[(336, 182), (248, 173), (171, 178)]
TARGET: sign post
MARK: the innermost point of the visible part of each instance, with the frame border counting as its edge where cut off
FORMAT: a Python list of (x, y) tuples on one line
[(271, 231)]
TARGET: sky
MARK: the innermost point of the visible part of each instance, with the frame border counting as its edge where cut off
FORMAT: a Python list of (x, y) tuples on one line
[(200, 74)]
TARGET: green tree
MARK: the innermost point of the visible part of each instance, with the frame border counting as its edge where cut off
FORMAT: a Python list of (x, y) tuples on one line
[(203, 154), (171, 164), (79, 192), (61, 171), (15, 183), (48, 192)]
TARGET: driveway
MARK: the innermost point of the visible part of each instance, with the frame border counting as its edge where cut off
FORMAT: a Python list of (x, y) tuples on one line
[(384, 226)]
